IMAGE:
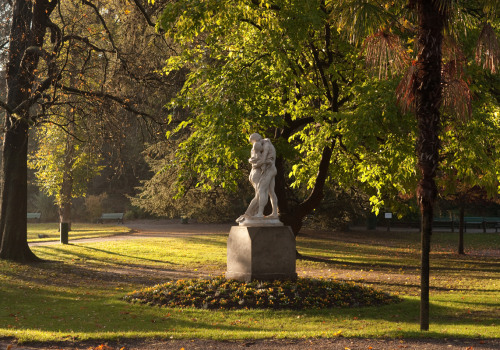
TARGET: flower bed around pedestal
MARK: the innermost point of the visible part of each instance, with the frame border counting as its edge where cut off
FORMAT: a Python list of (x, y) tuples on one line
[(220, 293)]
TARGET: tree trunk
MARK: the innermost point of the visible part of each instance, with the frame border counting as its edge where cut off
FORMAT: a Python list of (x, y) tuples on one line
[(29, 23), (66, 193), (293, 216), (428, 100), (65, 205), (461, 230), (13, 223)]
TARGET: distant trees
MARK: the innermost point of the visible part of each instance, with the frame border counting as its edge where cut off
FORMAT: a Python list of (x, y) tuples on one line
[(82, 65), (64, 165)]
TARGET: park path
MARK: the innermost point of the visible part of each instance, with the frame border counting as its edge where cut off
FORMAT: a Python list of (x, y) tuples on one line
[(269, 344), (152, 229), (173, 228)]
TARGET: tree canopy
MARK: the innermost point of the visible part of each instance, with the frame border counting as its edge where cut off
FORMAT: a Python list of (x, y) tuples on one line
[(319, 77)]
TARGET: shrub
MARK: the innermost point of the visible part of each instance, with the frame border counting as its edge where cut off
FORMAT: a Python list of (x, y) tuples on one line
[(94, 206)]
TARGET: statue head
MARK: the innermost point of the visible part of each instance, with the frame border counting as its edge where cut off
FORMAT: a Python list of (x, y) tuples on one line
[(255, 138)]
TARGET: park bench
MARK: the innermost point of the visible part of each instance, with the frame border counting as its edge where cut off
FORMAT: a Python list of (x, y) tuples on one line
[(491, 222), (111, 216), (444, 222), (474, 221), (34, 216)]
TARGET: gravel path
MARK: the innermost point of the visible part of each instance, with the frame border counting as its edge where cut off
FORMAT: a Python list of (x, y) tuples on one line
[(272, 344)]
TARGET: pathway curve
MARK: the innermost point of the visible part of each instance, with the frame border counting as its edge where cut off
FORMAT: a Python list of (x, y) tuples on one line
[(151, 229)]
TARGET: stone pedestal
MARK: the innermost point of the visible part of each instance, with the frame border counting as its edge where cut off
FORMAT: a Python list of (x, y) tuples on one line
[(261, 253)]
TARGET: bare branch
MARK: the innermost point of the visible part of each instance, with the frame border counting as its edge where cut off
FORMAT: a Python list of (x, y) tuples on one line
[(146, 16), (52, 77), (126, 105), (84, 40), (55, 34), (103, 22)]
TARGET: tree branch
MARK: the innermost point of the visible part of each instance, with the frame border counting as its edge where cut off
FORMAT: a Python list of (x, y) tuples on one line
[(86, 41), (103, 22), (251, 22), (104, 95), (145, 15), (46, 83), (6, 107), (319, 65), (316, 195)]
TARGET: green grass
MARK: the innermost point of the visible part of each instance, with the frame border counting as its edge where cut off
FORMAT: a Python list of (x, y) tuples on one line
[(50, 231), (78, 294)]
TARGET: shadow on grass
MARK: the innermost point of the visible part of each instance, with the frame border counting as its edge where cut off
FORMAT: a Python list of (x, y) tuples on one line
[(61, 311), (487, 266), (58, 252)]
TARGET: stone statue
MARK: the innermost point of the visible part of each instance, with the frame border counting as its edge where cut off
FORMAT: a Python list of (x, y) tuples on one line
[(263, 157)]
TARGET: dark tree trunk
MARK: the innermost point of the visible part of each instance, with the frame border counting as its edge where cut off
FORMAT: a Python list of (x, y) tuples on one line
[(428, 101), (293, 215), (461, 230), (14, 193), (29, 23), (66, 193), (65, 205)]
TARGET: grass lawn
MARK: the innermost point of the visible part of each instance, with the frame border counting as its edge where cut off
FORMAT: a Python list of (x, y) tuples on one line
[(50, 231), (78, 294)]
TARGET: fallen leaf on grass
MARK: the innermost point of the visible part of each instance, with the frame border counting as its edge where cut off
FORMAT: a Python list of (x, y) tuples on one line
[(102, 347)]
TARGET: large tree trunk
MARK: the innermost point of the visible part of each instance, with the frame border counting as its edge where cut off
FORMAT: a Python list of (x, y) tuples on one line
[(428, 101), (13, 223), (293, 215), (29, 23)]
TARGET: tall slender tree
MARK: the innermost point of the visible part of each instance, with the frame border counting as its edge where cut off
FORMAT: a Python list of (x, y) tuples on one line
[(428, 99)]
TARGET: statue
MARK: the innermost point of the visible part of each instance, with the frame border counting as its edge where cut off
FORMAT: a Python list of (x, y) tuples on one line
[(263, 157)]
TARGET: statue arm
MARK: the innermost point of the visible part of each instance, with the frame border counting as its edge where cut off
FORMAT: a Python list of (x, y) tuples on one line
[(263, 156)]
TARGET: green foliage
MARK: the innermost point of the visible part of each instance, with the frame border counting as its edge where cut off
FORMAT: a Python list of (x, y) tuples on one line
[(293, 71), (220, 293), (61, 157), (471, 150), (95, 205), (158, 195), (288, 71), (339, 209), (42, 203)]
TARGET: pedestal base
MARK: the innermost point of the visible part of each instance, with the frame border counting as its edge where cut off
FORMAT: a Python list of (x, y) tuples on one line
[(261, 253)]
